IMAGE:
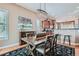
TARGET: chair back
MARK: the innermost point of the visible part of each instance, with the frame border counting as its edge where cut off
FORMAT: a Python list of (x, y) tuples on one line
[(47, 45), (30, 41), (30, 47), (55, 39)]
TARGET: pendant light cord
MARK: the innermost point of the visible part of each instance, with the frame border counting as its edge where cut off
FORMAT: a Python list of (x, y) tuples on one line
[(40, 5), (45, 6)]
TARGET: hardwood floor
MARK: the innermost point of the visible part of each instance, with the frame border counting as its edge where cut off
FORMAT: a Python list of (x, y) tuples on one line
[(76, 50), (73, 46), (5, 50)]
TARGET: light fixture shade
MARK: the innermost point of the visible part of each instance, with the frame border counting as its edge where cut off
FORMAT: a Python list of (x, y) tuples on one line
[(42, 11)]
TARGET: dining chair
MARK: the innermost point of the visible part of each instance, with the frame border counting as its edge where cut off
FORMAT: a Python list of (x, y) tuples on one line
[(51, 37), (45, 48), (55, 43), (56, 38), (30, 46), (30, 49)]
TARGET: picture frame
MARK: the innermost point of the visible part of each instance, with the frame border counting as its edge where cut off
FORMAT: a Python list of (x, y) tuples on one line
[(24, 23)]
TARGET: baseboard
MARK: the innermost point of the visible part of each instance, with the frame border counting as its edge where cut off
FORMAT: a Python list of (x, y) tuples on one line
[(73, 43), (9, 45), (77, 44)]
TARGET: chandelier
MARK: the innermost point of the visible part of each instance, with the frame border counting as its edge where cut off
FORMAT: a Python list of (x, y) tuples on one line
[(44, 11), (41, 10)]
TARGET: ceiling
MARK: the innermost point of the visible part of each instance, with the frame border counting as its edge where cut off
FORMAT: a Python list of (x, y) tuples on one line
[(58, 10)]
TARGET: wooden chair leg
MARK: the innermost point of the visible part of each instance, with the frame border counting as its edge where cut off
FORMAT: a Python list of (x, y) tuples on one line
[(69, 41), (64, 40)]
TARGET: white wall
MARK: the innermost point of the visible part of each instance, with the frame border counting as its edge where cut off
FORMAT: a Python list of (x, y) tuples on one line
[(14, 12)]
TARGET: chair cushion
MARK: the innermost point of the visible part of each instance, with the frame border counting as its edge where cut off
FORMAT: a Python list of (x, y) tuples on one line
[(41, 50)]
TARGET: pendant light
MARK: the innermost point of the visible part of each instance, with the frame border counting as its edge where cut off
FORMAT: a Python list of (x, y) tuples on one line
[(41, 10)]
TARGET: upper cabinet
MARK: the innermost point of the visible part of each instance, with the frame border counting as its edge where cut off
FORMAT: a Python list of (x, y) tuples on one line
[(77, 23), (65, 25)]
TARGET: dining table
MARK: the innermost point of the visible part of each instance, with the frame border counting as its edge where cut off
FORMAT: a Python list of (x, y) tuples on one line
[(36, 42)]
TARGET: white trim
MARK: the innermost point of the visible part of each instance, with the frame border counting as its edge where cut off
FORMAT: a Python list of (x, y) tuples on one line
[(76, 43), (72, 43), (9, 45)]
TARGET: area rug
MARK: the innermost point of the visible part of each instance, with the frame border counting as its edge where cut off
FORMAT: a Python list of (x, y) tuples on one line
[(59, 51), (64, 51)]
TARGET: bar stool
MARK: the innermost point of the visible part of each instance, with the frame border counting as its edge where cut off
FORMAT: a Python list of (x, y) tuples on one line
[(58, 37), (68, 38)]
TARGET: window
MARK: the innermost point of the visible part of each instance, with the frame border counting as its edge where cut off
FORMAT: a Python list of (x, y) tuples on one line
[(24, 23), (3, 24), (38, 25)]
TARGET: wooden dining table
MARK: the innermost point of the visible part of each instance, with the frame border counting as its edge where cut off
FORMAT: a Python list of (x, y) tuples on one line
[(36, 42)]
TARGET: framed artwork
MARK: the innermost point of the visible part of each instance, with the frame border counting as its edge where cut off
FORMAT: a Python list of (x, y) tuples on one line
[(24, 23), (4, 24)]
